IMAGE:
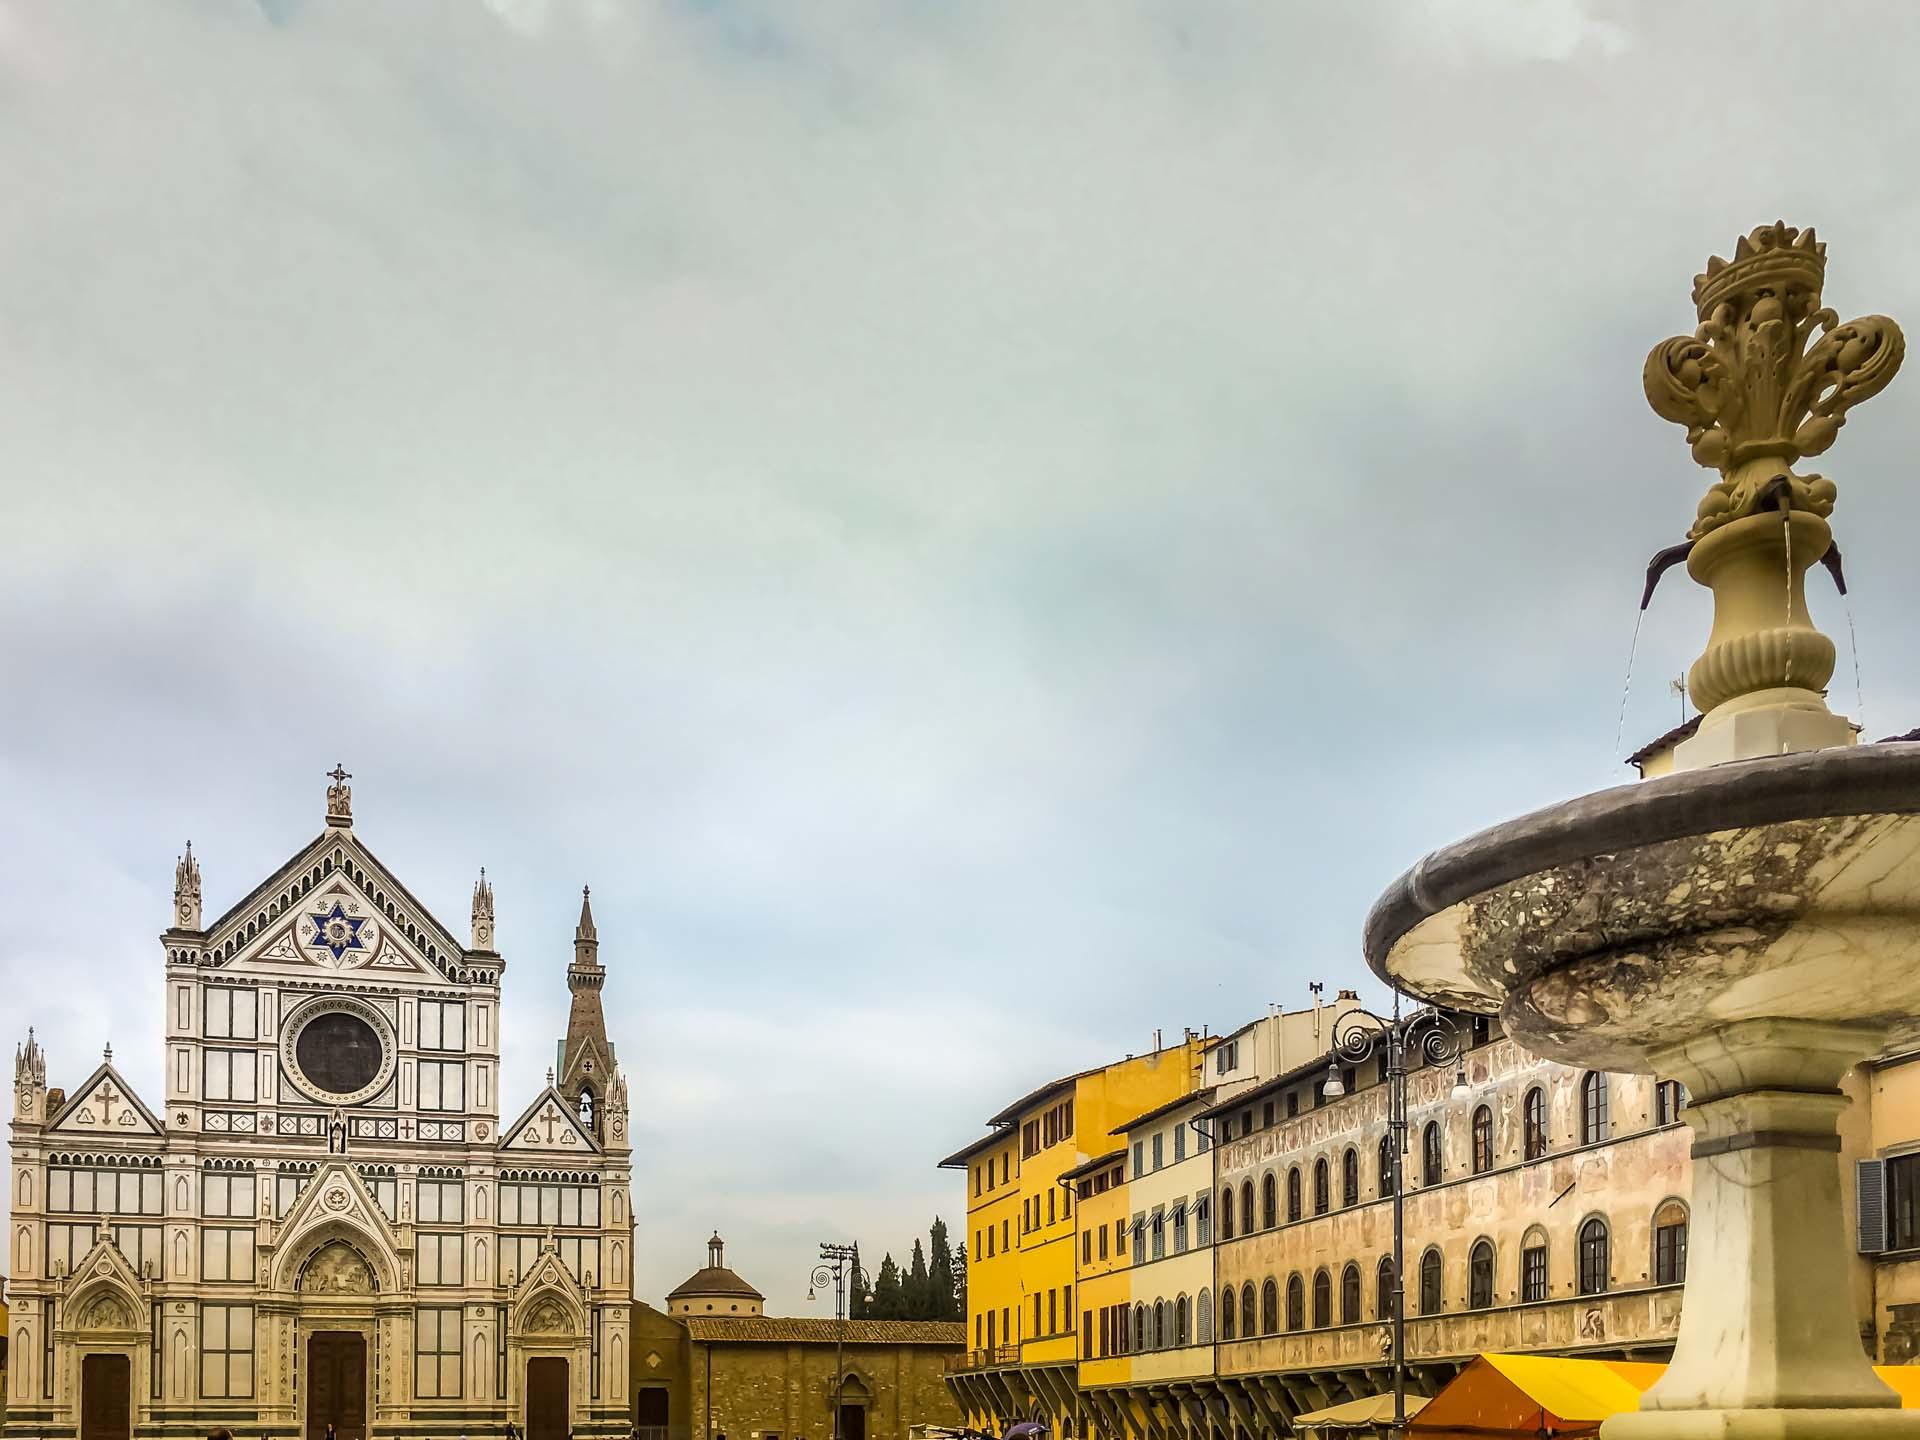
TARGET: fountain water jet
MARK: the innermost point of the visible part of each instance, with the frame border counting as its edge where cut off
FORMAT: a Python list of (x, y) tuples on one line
[(1749, 924)]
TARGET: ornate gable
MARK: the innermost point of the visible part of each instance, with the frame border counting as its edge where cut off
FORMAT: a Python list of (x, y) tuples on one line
[(334, 907), (106, 1294), (337, 1210), (549, 1126), (105, 1105), (548, 1302)]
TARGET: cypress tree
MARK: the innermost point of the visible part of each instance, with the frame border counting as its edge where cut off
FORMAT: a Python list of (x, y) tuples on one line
[(858, 1301), (940, 1273), (919, 1289), (960, 1282), (889, 1301)]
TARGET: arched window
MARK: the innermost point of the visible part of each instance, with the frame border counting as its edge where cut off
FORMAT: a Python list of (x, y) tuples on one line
[(1229, 1307), (1596, 1267), (1293, 1193), (1482, 1140), (1350, 1177), (1430, 1298), (1246, 1206), (1534, 1117), (1159, 1324), (1480, 1276), (1350, 1294), (1270, 1306), (586, 1107), (1669, 1099), (1593, 1108), (1226, 1213), (1140, 1327), (1430, 1154), (1533, 1266), (1386, 1164), (1320, 1186), (1322, 1300), (1670, 1243), (1203, 1318), (1181, 1315), (1383, 1289), (1296, 1302), (1269, 1201)]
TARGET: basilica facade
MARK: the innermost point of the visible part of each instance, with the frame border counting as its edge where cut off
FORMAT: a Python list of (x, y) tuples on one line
[(322, 1220)]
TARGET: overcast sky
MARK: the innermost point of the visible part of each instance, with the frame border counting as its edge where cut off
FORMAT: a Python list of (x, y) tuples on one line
[(981, 530)]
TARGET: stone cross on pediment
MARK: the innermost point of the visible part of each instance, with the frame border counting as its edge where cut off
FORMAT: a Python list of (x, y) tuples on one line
[(108, 1099), (549, 1117)]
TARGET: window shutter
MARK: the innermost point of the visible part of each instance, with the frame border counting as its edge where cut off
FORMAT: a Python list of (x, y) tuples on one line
[(1870, 1205)]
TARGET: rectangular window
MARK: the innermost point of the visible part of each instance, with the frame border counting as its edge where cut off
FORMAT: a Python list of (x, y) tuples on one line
[(1533, 1273), (1179, 1143), (1103, 1242), (500, 1349), (581, 1256), (1293, 1103), (1180, 1230), (441, 1259), (1903, 1202), (1139, 1158), (1203, 1215), (229, 1074), (443, 1085), (1086, 1335), (976, 1180), (1053, 1312), (1119, 1238), (1159, 1157), (1266, 1114), (1159, 1235), (114, 1192), (443, 1024), (1670, 1254), (1139, 1239), (441, 1202), (227, 1193), (436, 1353), (226, 1254), (1006, 1233), (226, 1352), (1036, 1315), (232, 1014)]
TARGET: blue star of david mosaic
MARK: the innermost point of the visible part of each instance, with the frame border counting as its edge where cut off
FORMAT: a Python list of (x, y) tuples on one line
[(336, 930)]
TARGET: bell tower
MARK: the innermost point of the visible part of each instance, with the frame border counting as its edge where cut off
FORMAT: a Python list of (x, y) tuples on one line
[(585, 1067)]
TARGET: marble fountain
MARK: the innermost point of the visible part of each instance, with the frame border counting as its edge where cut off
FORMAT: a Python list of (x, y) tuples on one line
[(1748, 924)]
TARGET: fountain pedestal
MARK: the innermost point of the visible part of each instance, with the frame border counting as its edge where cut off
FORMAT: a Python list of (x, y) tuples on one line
[(1768, 1345)]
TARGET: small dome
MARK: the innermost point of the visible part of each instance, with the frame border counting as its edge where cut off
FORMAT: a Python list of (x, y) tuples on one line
[(702, 1291)]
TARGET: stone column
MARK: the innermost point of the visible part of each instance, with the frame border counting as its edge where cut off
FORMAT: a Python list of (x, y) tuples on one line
[(1768, 1343)]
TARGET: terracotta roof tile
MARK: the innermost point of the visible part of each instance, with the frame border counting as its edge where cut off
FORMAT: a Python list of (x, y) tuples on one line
[(773, 1330)]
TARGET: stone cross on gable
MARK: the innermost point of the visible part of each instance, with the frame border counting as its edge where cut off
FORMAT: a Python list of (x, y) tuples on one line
[(108, 1099), (549, 1116)]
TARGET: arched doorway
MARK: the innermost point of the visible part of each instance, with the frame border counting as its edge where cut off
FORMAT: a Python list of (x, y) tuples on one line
[(106, 1398), (547, 1397)]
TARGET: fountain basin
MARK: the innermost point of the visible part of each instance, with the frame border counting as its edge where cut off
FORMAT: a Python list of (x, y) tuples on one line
[(1610, 927)]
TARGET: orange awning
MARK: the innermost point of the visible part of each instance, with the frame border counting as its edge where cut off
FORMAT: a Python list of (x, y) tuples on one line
[(1547, 1395)]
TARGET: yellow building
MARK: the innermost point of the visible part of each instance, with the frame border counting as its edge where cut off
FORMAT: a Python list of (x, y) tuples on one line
[(1021, 1228), (1100, 1190)]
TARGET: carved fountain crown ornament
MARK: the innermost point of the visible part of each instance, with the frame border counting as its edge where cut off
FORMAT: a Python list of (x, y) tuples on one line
[(1766, 380), (1770, 374)]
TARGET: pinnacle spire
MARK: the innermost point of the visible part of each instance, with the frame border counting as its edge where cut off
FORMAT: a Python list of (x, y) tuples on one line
[(482, 912), (584, 931), (186, 891)]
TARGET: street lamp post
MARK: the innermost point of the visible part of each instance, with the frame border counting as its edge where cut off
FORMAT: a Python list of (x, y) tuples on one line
[(839, 1266), (1357, 1035)]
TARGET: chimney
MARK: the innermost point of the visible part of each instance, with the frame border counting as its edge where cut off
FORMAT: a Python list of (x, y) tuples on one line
[(1349, 995)]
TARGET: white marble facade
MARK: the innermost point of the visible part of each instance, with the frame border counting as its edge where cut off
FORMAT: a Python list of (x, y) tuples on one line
[(322, 1219)]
